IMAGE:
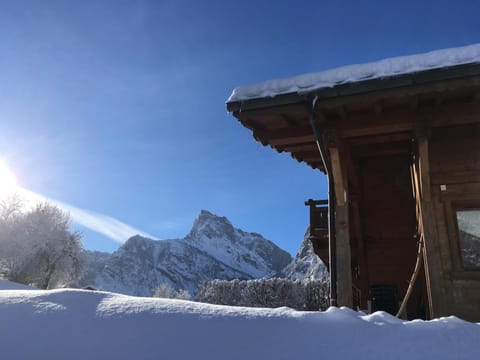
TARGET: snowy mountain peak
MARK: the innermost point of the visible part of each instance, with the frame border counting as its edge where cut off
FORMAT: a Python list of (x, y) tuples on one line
[(135, 240), (207, 214), (211, 225), (250, 252), (306, 265)]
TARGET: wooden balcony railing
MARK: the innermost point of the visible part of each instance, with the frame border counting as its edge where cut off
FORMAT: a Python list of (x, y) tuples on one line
[(319, 228)]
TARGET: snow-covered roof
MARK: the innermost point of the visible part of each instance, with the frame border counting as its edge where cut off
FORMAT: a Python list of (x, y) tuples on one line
[(357, 73)]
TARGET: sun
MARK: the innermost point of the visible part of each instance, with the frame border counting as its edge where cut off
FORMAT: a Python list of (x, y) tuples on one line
[(8, 181)]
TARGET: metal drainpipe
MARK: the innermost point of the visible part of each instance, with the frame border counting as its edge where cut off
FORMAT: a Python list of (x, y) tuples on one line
[(332, 244)]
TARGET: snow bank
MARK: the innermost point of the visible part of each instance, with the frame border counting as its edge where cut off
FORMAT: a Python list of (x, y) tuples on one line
[(355, 73), (9, 285), (79, 324)]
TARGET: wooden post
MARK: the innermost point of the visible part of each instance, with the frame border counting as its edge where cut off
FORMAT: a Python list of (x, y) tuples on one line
[(431, 255), (362, 261), (344, 262), (426, 220)]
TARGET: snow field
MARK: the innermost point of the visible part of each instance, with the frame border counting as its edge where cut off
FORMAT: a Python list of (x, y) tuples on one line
[(80, 324)]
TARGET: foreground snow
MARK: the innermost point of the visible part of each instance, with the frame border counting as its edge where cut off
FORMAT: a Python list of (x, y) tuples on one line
[(77, 324)]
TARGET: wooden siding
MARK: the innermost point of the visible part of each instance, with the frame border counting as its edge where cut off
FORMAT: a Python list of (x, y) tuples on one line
[(455, 163)]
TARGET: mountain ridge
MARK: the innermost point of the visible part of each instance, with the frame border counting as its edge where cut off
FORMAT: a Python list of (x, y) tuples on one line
[(213, 249)]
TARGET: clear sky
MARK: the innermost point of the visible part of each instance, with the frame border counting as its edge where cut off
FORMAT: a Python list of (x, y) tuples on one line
[(118, 107)]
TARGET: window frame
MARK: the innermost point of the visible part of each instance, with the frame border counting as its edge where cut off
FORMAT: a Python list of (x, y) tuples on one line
[(458, 206)]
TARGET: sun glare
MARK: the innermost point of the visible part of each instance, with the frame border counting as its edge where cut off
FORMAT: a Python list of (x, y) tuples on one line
[(8, 182)]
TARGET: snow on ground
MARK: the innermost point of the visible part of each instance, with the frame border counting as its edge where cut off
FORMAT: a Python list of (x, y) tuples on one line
[(8, 285), (80, 324)]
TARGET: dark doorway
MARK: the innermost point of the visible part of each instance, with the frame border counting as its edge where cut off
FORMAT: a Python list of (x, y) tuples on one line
[(389, 229)]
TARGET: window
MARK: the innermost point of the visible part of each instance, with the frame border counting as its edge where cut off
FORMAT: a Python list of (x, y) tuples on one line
[(468, 222)]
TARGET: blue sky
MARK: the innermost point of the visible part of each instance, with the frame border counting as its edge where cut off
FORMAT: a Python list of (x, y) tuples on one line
[(118, 107)]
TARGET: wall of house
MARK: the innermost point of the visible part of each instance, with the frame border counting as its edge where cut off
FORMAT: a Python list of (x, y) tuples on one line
[(455, 186)]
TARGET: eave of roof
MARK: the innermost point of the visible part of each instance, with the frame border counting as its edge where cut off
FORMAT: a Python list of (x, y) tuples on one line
[(401, 72)]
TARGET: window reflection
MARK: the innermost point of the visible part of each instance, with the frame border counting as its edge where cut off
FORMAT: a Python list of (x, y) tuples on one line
[(469, 235)]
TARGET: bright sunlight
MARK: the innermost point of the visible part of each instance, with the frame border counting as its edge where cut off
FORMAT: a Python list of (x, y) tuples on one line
[(8, 181)]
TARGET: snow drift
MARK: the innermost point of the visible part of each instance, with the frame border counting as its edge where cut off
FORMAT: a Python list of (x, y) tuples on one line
[(80, 324)]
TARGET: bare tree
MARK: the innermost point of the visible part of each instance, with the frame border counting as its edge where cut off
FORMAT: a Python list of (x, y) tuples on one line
[(42, 250), (10, 206)]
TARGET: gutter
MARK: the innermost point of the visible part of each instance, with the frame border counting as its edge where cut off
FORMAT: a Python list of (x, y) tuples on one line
[(332, 243)]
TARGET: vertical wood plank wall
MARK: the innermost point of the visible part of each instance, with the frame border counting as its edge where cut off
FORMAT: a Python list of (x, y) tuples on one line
[(454, 163)]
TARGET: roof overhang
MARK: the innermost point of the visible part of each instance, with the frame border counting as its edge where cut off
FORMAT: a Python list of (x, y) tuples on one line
[(385, 106), (359, 87)]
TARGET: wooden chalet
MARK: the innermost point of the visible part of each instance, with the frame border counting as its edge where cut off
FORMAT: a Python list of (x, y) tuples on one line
[(399, 140)]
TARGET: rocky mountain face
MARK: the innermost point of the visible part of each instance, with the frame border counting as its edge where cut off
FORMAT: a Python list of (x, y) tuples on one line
[(213, 249), (306, 264)]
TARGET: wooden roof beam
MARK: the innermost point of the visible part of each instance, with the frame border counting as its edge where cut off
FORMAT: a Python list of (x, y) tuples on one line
[(289, 120), (286, 136), (381, 139), (372, 128), (302, 147), (392, 125), (375, 151), (403, 120), (454, 114), (293, 110), (295, 139), (252, 125), (317, 165), (308, 154)]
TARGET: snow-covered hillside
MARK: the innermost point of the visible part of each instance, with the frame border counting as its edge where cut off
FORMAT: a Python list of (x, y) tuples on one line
[(213, 249), (79, 324), (9, 285)]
